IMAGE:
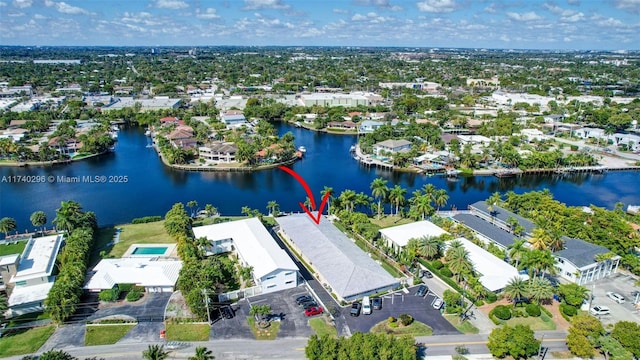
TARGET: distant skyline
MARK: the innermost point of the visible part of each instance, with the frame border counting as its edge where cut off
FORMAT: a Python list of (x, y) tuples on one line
[(504, 24)]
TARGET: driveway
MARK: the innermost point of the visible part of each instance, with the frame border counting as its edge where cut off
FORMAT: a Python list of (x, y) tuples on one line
[(149, 308), (399, 303), (143, 332), (235, 328), (619, 283), (71, 335)]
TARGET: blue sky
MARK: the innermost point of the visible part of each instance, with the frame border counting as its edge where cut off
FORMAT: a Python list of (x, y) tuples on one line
[(509, 24)]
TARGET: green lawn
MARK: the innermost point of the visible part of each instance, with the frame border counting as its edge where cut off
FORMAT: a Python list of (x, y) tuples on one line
[(416, 328), (321, 327), (464, 327), (188, 332), (105, 334), (388, 221), (103, 237), (21, 319), (269, 333), (25, 342), (148, 233), (12, 248), (536, 323)]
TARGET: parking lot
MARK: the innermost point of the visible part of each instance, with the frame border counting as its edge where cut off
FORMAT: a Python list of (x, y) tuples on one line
[(618, 283), (399, 303), (293, 322)]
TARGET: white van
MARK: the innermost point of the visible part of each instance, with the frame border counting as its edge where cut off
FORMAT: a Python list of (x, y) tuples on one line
[(366, 306)]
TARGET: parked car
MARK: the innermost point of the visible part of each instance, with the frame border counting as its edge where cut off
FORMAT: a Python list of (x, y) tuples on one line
[(427, 274), (314, 310), (437, 303), (376, 303), (422, 290), (309, 304), (355, 309), (600, 310), (227, 312), (303, 298), (615, 297), (366, 306)]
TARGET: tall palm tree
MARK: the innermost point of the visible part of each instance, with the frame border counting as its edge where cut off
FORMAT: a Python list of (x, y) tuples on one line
[(379, 191), (540, 290), (38, 219), (155, 352), (67, 215), (429, 191), (458, 260), (397, 196), (516, 288), (517, 250), (324, 192), (7, 225), (540, 239), (273, 207), (347, 199), (202, 353), (422, 207), (440, 198), (430, 247), (363, 200), (555, 241)]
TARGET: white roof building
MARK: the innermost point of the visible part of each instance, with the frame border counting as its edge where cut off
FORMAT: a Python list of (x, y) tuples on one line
[(155, 275), (494, 273), (272, 266), (399, 236)]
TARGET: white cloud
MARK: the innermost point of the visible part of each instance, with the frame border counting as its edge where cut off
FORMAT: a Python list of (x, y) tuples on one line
[(63, 7), (631, 5), (437, 6), (379, 3), (491, 9), (339, 11), (39, 17), (264, 4), (171, 4), (22, 3), (528, 16), (358, 17), (208, 14), (16, 14)]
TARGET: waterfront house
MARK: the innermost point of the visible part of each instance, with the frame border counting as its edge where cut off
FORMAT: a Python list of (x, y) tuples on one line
[(233, 118), (272, 268), (368, 126), (170, 120), (31, 274), (182, 137), (392, 146), (68, 146), (581, 262), (153, 273), (218, 152), (397, 237), (499, 216), (14, 134), (346, 125)]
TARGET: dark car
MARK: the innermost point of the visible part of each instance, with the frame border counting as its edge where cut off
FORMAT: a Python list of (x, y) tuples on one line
[(355, 309), (314, 310), (303, 298), (309, 304), (227, 312), (376, 303), (427, 274), (422, 290)]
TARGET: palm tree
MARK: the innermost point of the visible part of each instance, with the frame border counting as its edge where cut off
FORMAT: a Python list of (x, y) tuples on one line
[(494, 200), (210, 209), (516, 288), (540, 290), (555, 241), (202, 353), (397, 196), (7, 224), (429, 191), (363, 200), (430, 247), (540, 239), (273, 207), (38, 219), (538, 262), (347, 199), (458, 260), (517, 250), (155, 352), (324, 192), (192, 205), (422, 207), (440, 198), (379, 190), (245, 210), (67, 215)]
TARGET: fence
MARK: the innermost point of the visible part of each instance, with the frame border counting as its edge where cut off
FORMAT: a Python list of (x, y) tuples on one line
[(240, 294)]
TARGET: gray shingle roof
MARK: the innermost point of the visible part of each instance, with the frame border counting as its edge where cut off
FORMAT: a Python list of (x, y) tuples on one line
[(486, 229), (580, 252), (503, 214), (348, 270)]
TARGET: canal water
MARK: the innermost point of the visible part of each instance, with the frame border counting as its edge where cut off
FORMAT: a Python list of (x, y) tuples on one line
[(150, 188)]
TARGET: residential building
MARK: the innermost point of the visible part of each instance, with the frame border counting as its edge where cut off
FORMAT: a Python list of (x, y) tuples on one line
[(33, 277), (154, 274), (474, 139), (588, 132), (492, 82), (368, 126), (353, 99), (347, 125), (533, 135), (273, 269), (233, 118), (156, 103), (182, 137), (14, 134), (66, 146), (341, 266), (580, 262), (486, 231), (8, 268), (499, 216), (392, 146), (218, 152), (170, 120), (397, 237)]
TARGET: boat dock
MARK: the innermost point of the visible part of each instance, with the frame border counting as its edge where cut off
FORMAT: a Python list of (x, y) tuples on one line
[(369, 161)]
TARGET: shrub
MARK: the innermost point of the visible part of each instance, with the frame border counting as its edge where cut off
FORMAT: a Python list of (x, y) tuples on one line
[(478, 302), (491, 297), (437, 264), (146, 219), (446, 272), (391, 319), (533, 309), (405, 319), (125, 287), (502, 312), (110, 294), (568, 310), (574, 147), (134, 295)]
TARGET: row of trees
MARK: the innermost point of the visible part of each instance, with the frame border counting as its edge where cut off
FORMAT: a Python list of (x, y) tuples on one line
[(361, 346), (79, 227), (153, 352), (586, 336)]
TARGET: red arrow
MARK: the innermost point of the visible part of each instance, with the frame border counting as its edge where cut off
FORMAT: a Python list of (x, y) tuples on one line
[(316, 218)]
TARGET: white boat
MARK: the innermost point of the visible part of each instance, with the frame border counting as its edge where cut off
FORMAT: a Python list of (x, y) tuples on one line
[(302, 149), (147, 133), (453, 172), (352, 148)]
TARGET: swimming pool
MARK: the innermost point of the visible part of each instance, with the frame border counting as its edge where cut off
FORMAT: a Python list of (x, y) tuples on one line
[(151, 250)]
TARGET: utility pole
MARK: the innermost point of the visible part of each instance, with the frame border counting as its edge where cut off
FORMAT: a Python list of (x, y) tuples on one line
[(206, 303), (540, 348)]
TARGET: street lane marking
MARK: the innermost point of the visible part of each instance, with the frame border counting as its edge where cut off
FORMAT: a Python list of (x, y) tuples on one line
[(480, 342)]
